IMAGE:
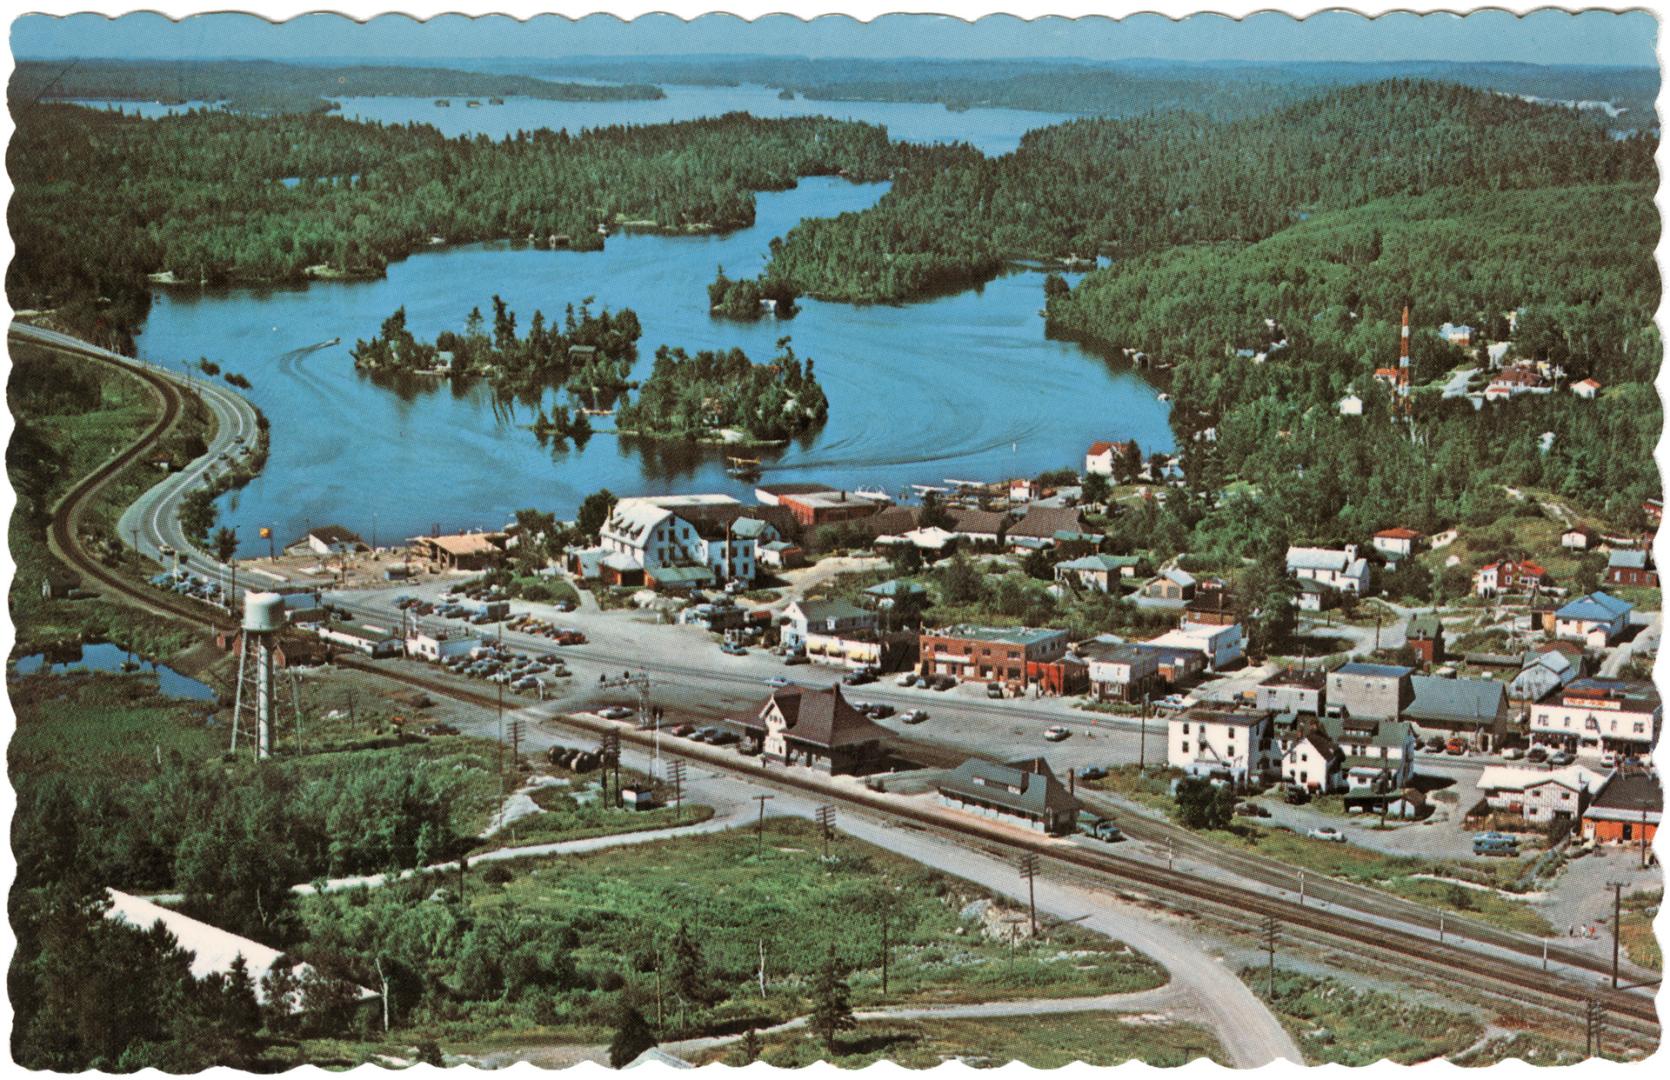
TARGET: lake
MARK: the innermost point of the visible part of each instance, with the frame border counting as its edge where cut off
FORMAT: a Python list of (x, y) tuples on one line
[(109, 658), (961, 386), (991, 131)]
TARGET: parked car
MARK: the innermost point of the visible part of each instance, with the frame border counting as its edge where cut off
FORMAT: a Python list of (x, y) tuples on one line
[(943, 683), (440, 729), (1561, 758), (907, 679), (683, 731), (748, 750), (1092, 772), (859, 677), (1455, 747), (1537, 755), (1512, 753), (1435, 744), (1057, 733), (1609, 759), (796, 658), (1494, 843), (777, 682), (1327, 832), (913, 716), (721, 737), (1107, 832), (1251, 809), (994, 690), (615, 712), (731, 648), (1296, 795), (879, 711)]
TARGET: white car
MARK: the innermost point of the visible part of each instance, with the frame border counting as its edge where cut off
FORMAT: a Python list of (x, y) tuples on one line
[(907, 679), (1056, 733), (615, 712), (1512, 753), (777, 682), (1327, 832)]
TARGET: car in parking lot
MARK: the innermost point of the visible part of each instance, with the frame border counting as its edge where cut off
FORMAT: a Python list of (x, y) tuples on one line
[(793, 659), (731, 648), (683, 731), (777, 682), (860, 677), (1455, 747), (907, 679), (1092, 772), (1561, 758), (879, 710), (615, 712), (1251, 809), (994, 690), (1107, 832), (943, 682), (1512, 753), (1328, 833), (1537, 755), (913, 716), (1056, 733)]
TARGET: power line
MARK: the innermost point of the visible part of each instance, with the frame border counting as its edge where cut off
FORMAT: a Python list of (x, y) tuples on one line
[(760, 830), (1029, 871), (675, 772), (826, 823)]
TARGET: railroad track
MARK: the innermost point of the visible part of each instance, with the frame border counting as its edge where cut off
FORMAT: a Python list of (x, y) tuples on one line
[(1633, 1012), (64, 531), (1519, 982)]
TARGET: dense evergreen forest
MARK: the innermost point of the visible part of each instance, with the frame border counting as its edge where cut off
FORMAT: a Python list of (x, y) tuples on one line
[(695, 397), (103, 200), (1122, 187), (265, 86), (1223, 89)]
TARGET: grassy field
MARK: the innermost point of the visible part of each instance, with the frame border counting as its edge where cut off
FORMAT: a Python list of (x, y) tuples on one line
[(576, 812), (1338, 1024), (1531, 1049), (1042, 1042), (613, 917), (1151, 788), (1396, 874), (106, 728), (1639, 941)]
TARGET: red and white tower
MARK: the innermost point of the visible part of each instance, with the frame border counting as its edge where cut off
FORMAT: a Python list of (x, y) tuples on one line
[(1403, 355)]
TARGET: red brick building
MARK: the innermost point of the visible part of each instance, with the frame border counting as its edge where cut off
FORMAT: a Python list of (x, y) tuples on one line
[(1003, 654)]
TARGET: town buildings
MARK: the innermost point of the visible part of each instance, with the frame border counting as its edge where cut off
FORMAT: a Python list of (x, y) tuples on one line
[(1222, 646), (1369, 691), (1396, 543), (1341, 569), (1473, 710), (1122, 671), (1592, 716), (462, 551), (1378, 756), (683, 541), (1292, 691), (1105, 458), (1025, 793), (1425, 637), (325, 540), (1171, 584), (826, 618), (800, 725), (1597, 619), (1631, 566), (1540, 796), (989, 653), (1235, 745), (1099, 573), (1510, 575), (1626, 811)]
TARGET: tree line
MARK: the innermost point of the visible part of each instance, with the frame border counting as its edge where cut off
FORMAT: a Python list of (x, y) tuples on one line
[(692, 397)]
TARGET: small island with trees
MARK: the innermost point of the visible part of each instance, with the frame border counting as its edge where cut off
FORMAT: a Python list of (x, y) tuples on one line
[(724, 397), (751, 298)]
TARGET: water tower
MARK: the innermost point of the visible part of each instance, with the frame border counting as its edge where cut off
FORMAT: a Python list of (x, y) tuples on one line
[(257, 689)]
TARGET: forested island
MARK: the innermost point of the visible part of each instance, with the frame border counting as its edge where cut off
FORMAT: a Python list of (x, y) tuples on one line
[(266, 86), (724, 397), (88, 183), (750, 298), (588, 354)]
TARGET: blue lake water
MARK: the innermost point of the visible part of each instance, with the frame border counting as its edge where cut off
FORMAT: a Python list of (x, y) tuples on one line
[(991, 131), (110, 658), (957, 386)]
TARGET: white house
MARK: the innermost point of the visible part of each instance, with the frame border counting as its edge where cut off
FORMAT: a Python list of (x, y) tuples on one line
[(1597, 620), (652, 534), (1343, 569), (1233, 745), (1378, 755), (1314, 763), (832, 617), (1102, 459), (1396, 543), (1592, 716), (437, 647), (1456, 334), (327, 540), (1587, 389), (1221, 645), (1350, 405), (1540, 795), (1098, 572)]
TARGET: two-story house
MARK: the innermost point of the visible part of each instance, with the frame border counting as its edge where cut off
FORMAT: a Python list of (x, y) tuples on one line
[(1342, 569), (1594, 715), (802, 618), (1235, 745)]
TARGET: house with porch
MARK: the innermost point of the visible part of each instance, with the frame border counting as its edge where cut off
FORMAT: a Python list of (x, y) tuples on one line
[(1592, 716), (1235, 745)]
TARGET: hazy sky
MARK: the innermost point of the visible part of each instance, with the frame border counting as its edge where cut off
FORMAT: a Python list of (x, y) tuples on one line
[(1591, 37)]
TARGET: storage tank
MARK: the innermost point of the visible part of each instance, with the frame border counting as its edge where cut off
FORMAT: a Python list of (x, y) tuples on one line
[(263, 612)]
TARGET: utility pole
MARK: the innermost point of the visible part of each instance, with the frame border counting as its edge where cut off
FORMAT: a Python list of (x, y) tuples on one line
[(676, 773), (1301, 888), (1269, 935), (610, 752), (1617, 888), (1142, 736), (515, 743), (826, 824), (1029, 871), (760, 831), (1592, 1019)]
